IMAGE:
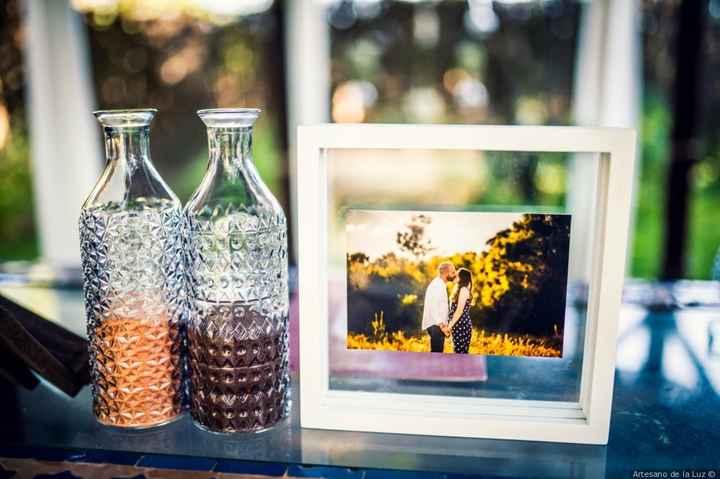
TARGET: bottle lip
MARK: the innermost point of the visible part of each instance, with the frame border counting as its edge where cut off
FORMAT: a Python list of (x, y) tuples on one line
[(229, 117), (129, 117)]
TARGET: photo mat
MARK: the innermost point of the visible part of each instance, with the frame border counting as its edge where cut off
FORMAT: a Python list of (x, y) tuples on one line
[(457, 282)]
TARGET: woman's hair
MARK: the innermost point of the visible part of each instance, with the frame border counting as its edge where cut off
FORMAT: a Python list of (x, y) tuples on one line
[(464, 280)]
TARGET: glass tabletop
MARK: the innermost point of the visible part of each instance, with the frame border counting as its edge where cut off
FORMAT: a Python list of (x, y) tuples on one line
[(665, 417)]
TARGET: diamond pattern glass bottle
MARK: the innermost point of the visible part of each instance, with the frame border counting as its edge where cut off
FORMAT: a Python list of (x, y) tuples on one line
[(238, 286), (131, 235)]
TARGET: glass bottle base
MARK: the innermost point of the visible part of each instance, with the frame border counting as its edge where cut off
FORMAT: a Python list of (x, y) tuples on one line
[(140, 427), (239, 431)]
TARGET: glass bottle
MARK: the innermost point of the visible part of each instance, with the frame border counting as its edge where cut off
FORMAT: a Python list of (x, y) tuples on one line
[(131, 238), (238, 286)]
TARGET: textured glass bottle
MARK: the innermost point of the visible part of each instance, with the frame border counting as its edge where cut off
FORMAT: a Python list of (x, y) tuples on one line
[(131, 235), (237, 269)]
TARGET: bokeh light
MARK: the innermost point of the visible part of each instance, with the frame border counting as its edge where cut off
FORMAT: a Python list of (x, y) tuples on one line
[(4, 125)]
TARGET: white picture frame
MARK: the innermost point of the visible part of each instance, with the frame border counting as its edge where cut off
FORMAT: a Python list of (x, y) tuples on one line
[(585, 421)]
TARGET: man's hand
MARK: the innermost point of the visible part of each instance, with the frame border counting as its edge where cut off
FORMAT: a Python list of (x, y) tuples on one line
[(445, 329)]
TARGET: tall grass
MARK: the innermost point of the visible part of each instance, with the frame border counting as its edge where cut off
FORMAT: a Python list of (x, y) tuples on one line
[(482, 343)]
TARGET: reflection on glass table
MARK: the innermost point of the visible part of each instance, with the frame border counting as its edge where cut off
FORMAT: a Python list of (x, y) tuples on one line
[(665, 412)]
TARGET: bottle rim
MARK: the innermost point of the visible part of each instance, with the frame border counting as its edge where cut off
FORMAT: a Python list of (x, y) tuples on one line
[(229, 117), (128, 117)]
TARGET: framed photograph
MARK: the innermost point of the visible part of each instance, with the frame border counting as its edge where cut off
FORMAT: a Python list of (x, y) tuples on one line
[(461, 280)]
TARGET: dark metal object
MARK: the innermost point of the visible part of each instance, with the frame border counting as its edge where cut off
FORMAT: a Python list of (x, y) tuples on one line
[(30, 342)]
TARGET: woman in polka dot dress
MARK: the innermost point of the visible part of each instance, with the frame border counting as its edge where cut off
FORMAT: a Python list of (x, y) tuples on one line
[(460, 324)]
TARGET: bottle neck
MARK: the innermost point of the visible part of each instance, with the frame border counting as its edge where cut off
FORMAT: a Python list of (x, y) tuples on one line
[(129, 175), (230, 150), (129, 146)]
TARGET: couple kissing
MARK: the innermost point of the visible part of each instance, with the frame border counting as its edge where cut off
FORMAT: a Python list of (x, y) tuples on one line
[(443, 316)]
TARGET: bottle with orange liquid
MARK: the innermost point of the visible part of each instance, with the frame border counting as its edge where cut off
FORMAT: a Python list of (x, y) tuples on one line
[(131, 235)]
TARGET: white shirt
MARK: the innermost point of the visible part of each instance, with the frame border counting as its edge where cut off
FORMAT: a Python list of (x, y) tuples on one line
[(435, 308)]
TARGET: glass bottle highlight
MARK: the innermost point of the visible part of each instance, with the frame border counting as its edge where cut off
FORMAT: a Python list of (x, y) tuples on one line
[(238, 286), (131, 234)]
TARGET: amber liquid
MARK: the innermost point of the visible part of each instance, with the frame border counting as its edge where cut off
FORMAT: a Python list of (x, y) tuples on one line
[(137, 371), (237, 384)]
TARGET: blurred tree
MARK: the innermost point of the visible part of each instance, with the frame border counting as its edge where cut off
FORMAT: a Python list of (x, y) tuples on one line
[(412, 239), (531, 259), (361, 258)]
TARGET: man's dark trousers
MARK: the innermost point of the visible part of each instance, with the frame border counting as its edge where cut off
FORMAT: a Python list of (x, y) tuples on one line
[(437, 339)]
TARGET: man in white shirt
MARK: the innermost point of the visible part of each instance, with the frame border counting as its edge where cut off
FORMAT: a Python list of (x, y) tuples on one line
[(435, 307)]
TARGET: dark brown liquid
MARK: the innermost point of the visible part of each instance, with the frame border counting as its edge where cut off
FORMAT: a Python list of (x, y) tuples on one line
[(237, 385)]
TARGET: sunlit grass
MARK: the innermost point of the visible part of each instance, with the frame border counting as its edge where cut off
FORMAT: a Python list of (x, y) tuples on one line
[(481, 343)]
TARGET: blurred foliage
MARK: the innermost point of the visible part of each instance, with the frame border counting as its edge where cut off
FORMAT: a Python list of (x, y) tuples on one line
[(381, 73), (174, 56), (524, 179), (186, 61), (649, 216), (17, 227), (391, 62), (704, 234), (412, 240), (18, 239), (658, 36), (449, 62), (519, 282), (433, 62)]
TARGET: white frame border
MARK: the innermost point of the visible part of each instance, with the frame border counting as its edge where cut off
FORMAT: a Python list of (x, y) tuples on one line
[(588, 420)]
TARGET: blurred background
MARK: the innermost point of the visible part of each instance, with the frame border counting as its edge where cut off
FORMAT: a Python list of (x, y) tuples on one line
[(647, 64)]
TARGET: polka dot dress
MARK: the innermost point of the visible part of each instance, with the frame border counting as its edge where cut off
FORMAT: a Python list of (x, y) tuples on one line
[(462, 331)]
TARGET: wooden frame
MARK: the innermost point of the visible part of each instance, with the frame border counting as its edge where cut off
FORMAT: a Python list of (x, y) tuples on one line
[(585, 421)]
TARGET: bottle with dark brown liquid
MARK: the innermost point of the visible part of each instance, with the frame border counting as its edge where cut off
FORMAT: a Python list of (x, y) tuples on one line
[(238, 286)]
